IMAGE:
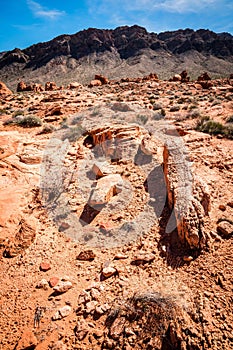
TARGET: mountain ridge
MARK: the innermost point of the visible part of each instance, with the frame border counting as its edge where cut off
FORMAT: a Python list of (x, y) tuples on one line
[(81, 55)]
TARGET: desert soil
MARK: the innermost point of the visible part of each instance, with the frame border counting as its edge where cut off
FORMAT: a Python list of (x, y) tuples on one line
[(110, 300)]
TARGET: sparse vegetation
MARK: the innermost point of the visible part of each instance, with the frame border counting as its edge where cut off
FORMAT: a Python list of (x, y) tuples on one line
[(18, 112), (3, 111), (207, 125), (230, 119), (175, 108), (26, 122), (47, 129), (142, 119)]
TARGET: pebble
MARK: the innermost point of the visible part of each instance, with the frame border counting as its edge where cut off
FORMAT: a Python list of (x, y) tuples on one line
[(62, 286), (43, 284), (90, 306), (45, 266), (143, 258), (62, 312), (120, 256), (54, 281), (102, 309), (222, 207), (86, 255), (187, 258), (108, 271), (224, 228)]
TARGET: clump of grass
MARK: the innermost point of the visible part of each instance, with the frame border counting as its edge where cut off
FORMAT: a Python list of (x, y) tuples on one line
[(209, 126), (152, 312), (174, 108), (230, 119), (47, 129), (158, 116), (26, 122), (3, 111), (142, 119), (194, 114), (163, 112), (18, 112)]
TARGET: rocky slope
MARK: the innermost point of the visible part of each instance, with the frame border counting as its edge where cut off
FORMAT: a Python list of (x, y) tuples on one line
[(125, 51), (93, 180)]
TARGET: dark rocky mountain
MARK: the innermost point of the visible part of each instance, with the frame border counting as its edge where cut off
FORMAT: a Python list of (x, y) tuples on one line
[(124, 51)]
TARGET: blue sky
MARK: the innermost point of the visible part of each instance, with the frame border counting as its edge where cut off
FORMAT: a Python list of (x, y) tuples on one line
[(27, 22)]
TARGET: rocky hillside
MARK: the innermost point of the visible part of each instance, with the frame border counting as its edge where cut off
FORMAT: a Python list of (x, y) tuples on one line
[(124, 51)]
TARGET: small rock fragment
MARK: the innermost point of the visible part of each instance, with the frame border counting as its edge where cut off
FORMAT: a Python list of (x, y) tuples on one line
[(102, 309), (53, 281), (43, 284), (90, 306), (62, 312), (225, 228), (81, 330), (188, 258), (120, 256), (107, 187), (62, 286), (102, 168), (143, 258), (45, 266), (108, 271), (117, 328), (222, 207), (86, 255)]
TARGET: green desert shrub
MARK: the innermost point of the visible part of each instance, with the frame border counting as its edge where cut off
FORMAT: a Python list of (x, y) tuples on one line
[(26, 122), (209, 126), (230, 119), (174, 108), (18, 112)]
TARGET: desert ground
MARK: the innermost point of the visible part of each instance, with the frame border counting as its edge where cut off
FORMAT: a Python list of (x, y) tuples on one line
[(61, 287)]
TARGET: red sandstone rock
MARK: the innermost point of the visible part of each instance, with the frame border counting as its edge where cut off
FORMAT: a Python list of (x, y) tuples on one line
[(45, 266), (101, 78), (53, 281), (4, 91), (51, 86), (95, 83)]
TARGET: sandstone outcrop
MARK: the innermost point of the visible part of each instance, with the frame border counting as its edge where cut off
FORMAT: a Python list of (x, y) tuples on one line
[(4, 91), (204, 77), (101, 78), (35, 87), (95, 83), (51, 86)]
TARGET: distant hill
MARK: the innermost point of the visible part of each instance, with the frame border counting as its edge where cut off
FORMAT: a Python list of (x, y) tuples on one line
[(122, 52)]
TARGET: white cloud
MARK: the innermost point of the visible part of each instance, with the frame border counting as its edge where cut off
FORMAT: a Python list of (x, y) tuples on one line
[(176, 6), (43, 12), (184, 6)]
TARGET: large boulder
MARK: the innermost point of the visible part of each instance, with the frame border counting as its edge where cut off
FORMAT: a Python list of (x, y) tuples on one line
[(4, 91), (188, 197), (35, 87), (101, 78), (51, 86), (95, 82), (204, 77)]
